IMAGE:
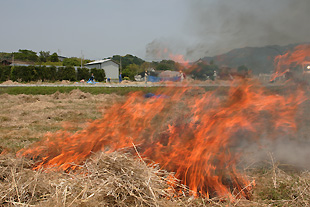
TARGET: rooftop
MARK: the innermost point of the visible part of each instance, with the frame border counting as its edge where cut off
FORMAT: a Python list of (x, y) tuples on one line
[(98, 61)]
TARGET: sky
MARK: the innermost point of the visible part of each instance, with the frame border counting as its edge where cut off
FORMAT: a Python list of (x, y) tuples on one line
[(146, 28)]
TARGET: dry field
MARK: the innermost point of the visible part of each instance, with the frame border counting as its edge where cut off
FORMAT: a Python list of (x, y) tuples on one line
[(115, 179)]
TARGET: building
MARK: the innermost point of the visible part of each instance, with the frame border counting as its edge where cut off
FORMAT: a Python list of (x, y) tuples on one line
[(110, 67), (61, 58)]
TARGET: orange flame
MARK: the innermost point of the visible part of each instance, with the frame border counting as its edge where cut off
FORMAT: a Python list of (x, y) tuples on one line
[(186, 130), (179, 59), (290, 59)]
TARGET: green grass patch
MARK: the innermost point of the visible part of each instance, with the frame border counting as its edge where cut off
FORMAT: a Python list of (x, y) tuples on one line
[(46, 90)]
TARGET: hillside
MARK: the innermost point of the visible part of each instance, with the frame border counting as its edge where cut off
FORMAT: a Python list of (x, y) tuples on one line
[(258, 59)]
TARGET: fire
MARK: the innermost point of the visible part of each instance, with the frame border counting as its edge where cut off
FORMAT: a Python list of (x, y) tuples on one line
[(186, 130), (291, 59), (179, 59)]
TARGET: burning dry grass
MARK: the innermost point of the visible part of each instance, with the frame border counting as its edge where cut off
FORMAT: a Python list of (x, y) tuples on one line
[(114, 179), (118, 179)]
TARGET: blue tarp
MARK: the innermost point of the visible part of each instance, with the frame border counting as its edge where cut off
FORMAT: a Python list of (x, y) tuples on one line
[(158, 79), (153, 79), (152, 95)]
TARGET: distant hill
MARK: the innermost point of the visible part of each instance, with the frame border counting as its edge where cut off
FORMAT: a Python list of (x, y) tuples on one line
[(258, 59)]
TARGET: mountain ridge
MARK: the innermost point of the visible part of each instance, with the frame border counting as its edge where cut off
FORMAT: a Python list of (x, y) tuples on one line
[(257, 59)]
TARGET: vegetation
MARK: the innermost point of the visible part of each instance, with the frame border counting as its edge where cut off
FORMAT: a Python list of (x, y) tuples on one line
[(127, 60), (164, 65), (131, 70), (47, 73), (26, 55), (203, 71), (5, 72), (25, 119), (130, 67), (46, 90), (5, 56)]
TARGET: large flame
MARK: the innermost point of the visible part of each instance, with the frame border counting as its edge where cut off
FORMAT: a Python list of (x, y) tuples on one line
[(291, 59), (186, 130)]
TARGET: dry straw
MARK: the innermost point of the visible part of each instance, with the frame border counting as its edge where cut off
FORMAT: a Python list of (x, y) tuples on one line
[(119, 179)]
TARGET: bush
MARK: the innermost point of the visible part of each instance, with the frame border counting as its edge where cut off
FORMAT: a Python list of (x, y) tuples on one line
[(98, 73), (83, 73), (5, 72), (24, 73), (46, 73), (66, 73)]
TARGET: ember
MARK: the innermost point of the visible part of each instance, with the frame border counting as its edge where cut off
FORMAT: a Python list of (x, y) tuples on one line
[(190, 132)]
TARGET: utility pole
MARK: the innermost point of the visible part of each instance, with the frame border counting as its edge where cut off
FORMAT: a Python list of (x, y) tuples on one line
[(120, 63), (81, 58)]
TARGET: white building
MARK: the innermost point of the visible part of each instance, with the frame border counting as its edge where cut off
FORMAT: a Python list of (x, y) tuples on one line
[(110, 67)]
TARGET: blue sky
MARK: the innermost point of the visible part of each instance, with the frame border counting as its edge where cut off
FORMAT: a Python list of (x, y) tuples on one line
[(194, 28)]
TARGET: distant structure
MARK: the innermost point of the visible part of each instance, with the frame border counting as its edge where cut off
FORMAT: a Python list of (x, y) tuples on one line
[(6, 62), (61, 58), (110, 67)]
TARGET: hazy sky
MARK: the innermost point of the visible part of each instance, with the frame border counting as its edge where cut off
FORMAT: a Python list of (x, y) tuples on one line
[(194, 28)]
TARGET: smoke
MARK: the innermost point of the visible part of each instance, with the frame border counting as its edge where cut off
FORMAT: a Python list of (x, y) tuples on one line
[(291, 148), (217, 26), (159, 49), (284, 151)]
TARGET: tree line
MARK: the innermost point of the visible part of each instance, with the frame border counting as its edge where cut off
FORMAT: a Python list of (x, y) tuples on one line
[(51, 73), (132, 65)]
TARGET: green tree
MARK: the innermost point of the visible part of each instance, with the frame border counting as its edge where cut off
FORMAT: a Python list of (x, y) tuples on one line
[(203, 71), (243, 71), (83, 73), (26, 55), (127, 60), (66, 73), (44, 56), (73, 61), (165, 65), (98, 73), (131, 70), (54, 57)]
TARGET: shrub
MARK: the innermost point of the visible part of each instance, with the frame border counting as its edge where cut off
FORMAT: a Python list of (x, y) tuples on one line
[(66, 73), (46, 73), (51, 73), (98, 73), (5, 72), (24, 73), (83, 73)]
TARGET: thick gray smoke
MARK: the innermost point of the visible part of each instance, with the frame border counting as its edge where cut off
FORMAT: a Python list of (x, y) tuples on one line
[(217, 26)]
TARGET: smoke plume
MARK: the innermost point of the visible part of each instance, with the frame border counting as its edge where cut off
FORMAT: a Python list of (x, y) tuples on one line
[(215, 27)]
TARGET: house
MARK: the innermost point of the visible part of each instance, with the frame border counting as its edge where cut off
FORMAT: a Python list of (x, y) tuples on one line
[(110, 67)]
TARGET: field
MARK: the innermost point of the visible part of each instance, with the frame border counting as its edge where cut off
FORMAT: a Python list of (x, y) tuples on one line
[(118, 178)]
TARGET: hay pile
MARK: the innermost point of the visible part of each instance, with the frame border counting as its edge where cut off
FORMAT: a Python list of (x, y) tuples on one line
[(104, 180), (119, 179), (9, 82)]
